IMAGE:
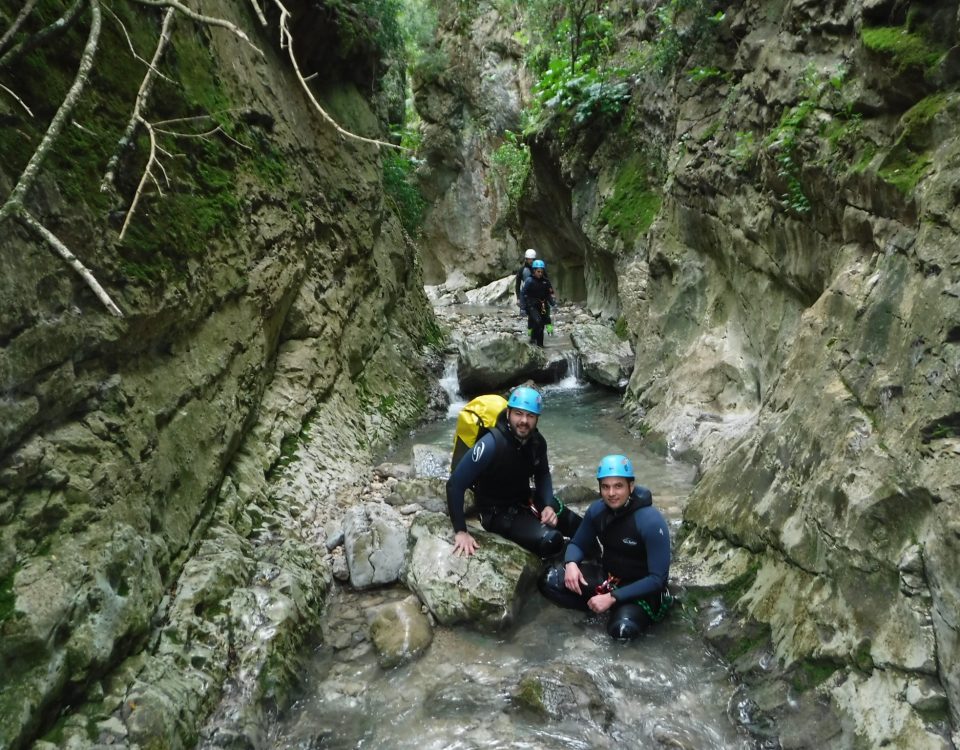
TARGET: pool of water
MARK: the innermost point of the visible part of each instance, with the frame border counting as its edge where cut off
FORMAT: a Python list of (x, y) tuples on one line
[(666, 689)]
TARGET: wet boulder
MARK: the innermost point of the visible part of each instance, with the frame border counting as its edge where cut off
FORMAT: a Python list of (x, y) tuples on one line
[(493, 361), (499, 292), (485, 589), (400, 632), (606, 359), (558, 691), (374, 540)]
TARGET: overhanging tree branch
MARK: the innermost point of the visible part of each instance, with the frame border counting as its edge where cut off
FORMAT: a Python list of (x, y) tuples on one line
[(64, 252), (34, 41), (286, 40), (208, 20), (146, 85), (7, 39), (15, 199)]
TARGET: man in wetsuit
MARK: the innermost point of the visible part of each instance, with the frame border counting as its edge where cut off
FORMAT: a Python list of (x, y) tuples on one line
[(536, 298), (498, 467), (629, 578), (525, 271)]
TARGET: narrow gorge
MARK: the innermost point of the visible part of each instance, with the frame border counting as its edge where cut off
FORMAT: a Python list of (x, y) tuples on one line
[(761, 199)]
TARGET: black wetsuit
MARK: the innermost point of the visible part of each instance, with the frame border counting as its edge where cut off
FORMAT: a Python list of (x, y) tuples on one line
[(498, 467), (634, 546), (535, 297), (523, 274)]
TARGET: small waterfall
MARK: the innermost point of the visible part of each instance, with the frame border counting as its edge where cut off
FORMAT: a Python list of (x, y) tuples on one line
[(450, 384), (574, 377)]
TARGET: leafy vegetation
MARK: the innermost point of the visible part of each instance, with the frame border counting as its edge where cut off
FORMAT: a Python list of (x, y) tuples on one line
[(621, 328), (784, 141), (681, 24), (401, 190), (512, 159)]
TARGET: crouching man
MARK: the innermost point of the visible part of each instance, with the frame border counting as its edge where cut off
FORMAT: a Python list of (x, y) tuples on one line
[(629, 543)]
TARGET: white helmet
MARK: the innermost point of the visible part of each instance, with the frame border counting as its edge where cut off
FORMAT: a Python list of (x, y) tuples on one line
[(530, 254)]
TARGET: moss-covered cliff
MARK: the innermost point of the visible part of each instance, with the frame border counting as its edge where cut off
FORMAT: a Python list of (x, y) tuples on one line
[(766, 196), (160, 473)]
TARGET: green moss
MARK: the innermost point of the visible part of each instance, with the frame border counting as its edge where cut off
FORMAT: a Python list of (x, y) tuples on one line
[(740, 585), (903, 168), (746, 645), (864, 158), (808, 674), (906, 48), (633, 206), (8, 599), (387, 403), (529, 695), (711, 131), (621, 328), (921, 114)]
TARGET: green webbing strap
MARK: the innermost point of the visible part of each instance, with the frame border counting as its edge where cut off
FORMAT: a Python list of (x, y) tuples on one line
[(560, 503), (665, 601)]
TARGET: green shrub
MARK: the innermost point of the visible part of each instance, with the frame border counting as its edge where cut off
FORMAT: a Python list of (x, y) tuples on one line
[(402, 192), (512, 160)]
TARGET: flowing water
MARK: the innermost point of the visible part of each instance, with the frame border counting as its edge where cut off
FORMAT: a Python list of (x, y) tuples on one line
[(665, 689)]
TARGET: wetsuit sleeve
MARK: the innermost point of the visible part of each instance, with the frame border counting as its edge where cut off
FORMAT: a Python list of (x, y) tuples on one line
[(523, 294), (656, 538), (584, 542), (473, 463), (543, 483)]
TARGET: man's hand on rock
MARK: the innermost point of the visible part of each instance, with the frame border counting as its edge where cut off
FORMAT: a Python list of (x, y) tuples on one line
[(464, 545)]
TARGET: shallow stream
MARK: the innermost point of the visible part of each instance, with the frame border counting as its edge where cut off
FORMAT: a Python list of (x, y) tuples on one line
[(664, 690)]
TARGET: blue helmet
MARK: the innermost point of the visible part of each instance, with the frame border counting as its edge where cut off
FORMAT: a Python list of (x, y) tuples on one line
[(538, 264), (526, 398), (615, 465)]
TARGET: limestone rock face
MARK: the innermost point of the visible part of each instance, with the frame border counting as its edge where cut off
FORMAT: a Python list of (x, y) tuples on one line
[(485, 590), (247, 384), (466, 105)]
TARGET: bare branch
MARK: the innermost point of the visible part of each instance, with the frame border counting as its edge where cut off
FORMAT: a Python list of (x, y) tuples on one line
[(25, 12), (259, 11), (31, 43), (205, 134), (147, 174), (133, 50), (286, 42), (193, 118), (64, 252), (146, 85), (208, 20), (16, 197), (22, 103)]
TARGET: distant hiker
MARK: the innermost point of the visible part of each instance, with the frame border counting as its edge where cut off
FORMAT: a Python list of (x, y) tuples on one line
[(498, 467), (524, 273), (630, 543), (536, 298)]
